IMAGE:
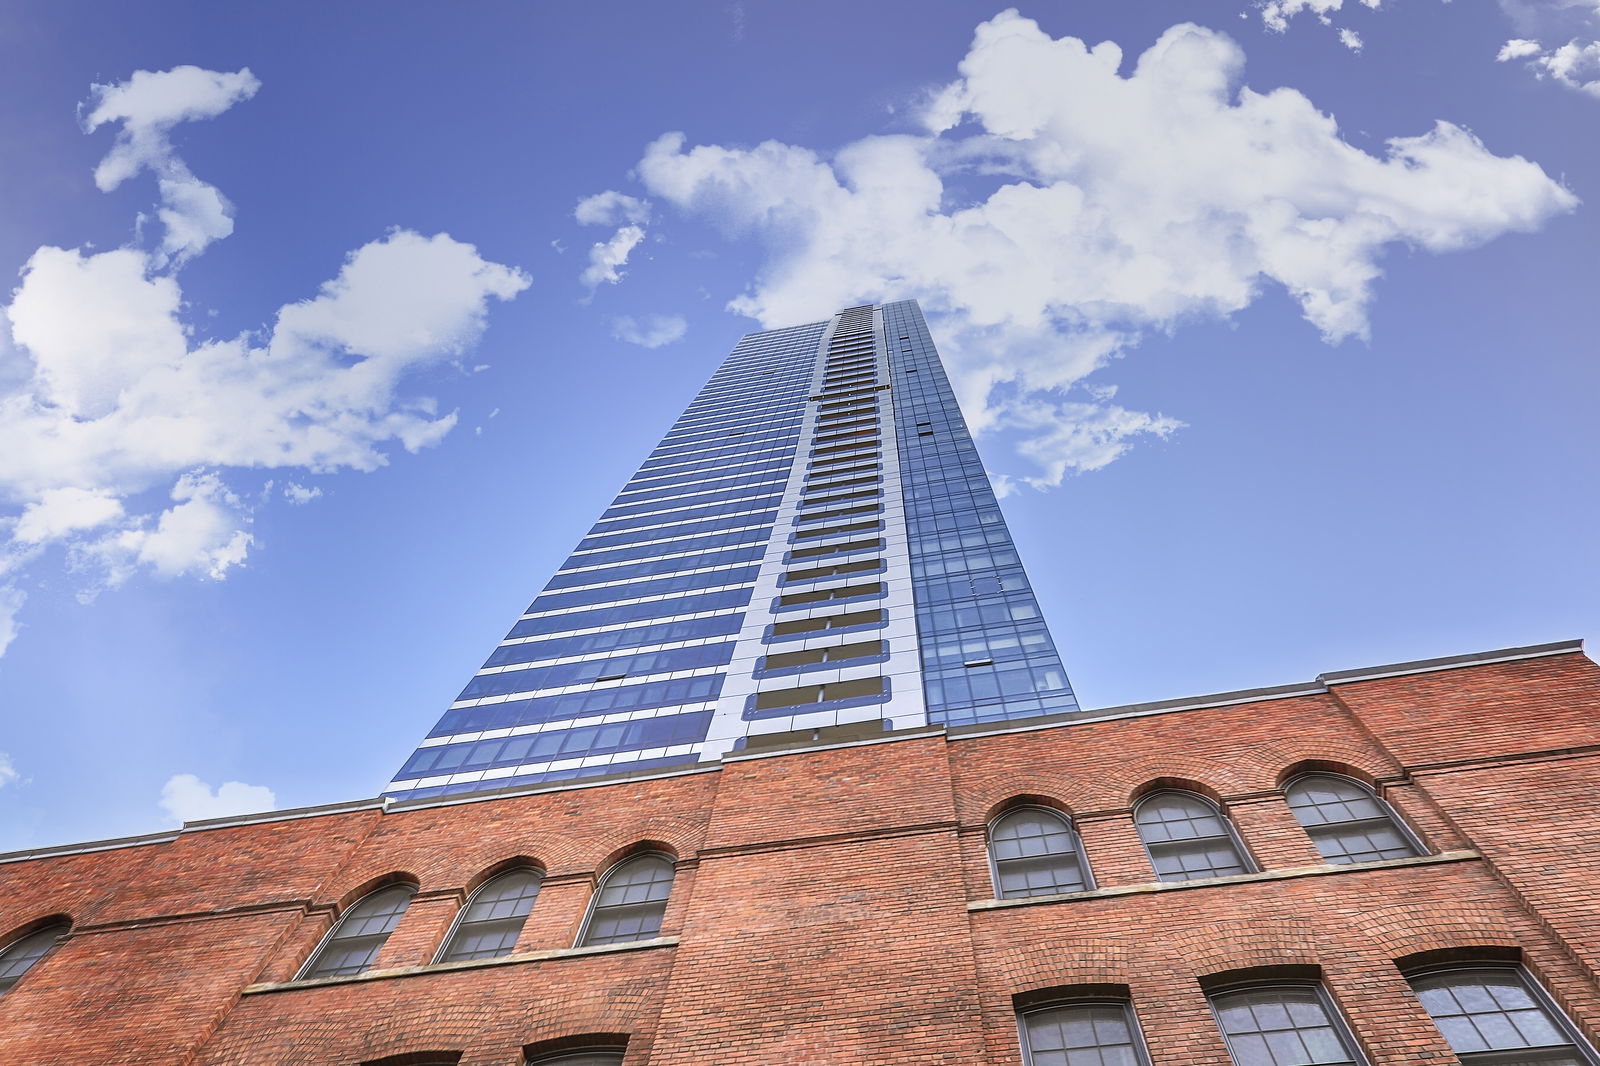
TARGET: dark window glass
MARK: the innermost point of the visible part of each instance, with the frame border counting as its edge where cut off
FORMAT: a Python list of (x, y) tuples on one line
[(1345, 820), (1187, 837), (1289, 1025), (630, 903), (360, 934), (1036, 853), (835, 549), (773, 699), (590, 1057), (1495, 1015), (1082, 1034), (493, 918), (21, 955)]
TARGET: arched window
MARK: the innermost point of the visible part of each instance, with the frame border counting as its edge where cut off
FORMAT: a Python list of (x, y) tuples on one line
[(1087, 1033), (1283, 1025), (586, 1057), (493, 917), (630, 903), (1496, 1014), (1188, 838), (1036, 853), (1346, 821), (360, 934), (20, 956)]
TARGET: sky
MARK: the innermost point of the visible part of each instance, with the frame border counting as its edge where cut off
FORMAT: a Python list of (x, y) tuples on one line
[(331, 328)]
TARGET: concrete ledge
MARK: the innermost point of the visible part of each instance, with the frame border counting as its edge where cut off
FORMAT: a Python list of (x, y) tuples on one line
[(1289, 874), (59, 850), (471, 964), (1452, 662)]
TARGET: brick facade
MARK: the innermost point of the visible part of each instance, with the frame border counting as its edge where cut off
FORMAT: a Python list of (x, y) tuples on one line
[(834, 904)]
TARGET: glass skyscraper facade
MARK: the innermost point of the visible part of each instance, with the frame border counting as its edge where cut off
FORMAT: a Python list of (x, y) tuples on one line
[(813, 544)]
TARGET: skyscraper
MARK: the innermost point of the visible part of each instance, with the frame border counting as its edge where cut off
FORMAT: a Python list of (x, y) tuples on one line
[(813, 549)]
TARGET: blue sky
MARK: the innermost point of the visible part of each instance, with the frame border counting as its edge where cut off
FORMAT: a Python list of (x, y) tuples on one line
[(332, 331)]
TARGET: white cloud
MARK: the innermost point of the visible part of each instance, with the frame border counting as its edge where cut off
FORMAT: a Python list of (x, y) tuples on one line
[(1057, 209), (650, 331), (146, 107), (186, 798), (58, 512), (607, 258), (119, 430), (11, 600), (1575, 64), (8, 771), (1277, 14), (299, 494), (611, 208), (203, 533), (1350, 39), (1518, 49)]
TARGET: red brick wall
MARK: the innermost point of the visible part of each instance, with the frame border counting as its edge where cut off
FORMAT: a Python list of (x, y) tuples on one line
[(835, 906)]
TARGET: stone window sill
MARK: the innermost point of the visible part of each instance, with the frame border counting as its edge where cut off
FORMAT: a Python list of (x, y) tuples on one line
[(472, 964), (1233, 879)]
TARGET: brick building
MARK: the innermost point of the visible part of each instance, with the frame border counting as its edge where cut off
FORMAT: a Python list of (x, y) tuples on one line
[(840, 897)]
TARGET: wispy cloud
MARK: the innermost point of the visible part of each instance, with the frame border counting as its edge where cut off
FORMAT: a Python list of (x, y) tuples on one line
[(649, 331), (608, 257)]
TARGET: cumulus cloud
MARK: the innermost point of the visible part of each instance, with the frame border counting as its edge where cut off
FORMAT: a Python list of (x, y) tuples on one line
[(611, 208), (1518, 49), (607, 258), (58, 512), (186, 798), (120, 430), (1058, 208), (145, 108), (650, 331), (1575, 64)]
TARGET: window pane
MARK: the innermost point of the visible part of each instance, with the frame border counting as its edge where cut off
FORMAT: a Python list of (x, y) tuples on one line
[(1345, 821), (1036, 853), (361, 934), (1098, 1034), (494, 917), (1187, 838), (580, 1058), (20, 957), (1492, 1010), (1281, 1027), (631, 902)]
